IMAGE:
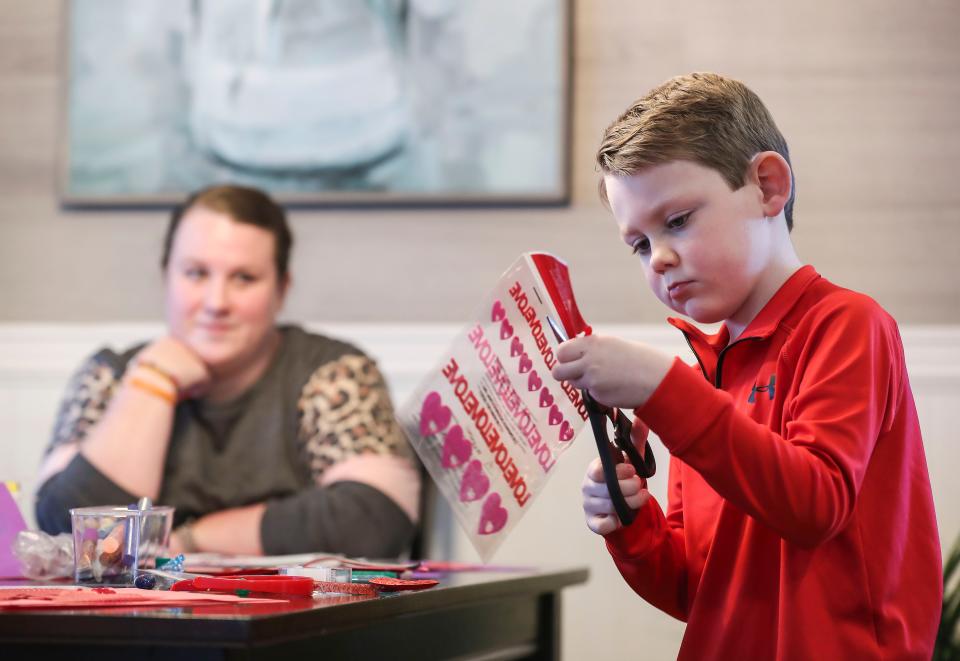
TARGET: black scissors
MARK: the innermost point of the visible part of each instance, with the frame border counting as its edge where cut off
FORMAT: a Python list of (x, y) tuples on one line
[(611, 454)]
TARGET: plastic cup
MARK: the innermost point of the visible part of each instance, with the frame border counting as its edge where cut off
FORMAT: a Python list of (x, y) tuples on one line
[(111, 542)]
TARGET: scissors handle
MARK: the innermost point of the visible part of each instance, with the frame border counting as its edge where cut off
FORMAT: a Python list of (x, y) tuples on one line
[(646, 465), (297, 585), (612, 454)]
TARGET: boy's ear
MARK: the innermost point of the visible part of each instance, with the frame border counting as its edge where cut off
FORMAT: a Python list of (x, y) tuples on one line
[(771, 173)]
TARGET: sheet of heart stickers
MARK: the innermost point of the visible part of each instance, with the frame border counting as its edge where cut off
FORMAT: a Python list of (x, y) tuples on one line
[(489, 422)]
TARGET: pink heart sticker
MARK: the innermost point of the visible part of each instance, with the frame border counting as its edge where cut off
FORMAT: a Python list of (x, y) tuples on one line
[(534, 381), (525, 363), (506, 330), (555, 415), (546, 399), (434, 416), (493, 516), (456, 448), (497, 313), (516, 347), (475, 482), (566, 432)]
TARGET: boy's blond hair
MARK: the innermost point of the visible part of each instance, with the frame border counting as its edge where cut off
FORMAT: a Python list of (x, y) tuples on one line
[(706, 118)]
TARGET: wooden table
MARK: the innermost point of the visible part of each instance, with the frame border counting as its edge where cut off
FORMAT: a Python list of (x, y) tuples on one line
[(510, 615)]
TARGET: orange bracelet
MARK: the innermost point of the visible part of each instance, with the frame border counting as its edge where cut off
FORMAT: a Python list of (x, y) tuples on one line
[(157, 391), (156, 369)]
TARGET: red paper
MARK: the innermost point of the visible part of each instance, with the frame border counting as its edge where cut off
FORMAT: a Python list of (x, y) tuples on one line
[(28, 598)]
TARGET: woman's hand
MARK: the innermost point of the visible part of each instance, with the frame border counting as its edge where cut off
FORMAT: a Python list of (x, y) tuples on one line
[(597, 505), (615, 372), (180, 363)]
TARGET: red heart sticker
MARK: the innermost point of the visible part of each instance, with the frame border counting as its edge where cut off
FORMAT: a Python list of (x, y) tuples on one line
[(566, 432), (434, 416), (534, 381), (555, 415), (456, 448), (525, 363), (497, 313), (546, 399), (493, 516), (506, 330), (475, 483), (516, 347)]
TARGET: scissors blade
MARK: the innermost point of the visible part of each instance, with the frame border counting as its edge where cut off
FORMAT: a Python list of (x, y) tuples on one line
[(557, 329)]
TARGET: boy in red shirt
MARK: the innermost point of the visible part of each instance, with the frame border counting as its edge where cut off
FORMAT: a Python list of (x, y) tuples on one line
[(799, 521)]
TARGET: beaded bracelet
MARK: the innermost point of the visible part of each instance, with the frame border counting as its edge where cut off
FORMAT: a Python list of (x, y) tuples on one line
[(154, 390), (156, 369)]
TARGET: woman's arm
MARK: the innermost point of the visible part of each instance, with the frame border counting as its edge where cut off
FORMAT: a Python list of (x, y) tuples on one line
[(129, 445), (67, 478), (364, 500), (111, 435), (364, 496)]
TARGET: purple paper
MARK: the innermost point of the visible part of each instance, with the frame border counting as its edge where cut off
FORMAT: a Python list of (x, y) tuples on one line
[(11, 522)]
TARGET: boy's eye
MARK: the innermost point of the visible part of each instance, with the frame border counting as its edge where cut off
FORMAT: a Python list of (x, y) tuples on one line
[(641, 246), (195, 273), (245, 278), (678, 221)]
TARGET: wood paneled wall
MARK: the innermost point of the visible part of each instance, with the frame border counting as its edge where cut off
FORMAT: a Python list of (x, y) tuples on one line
[(867, 93)]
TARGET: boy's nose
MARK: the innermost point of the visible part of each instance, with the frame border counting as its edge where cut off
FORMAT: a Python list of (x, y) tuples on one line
[(662, 258)]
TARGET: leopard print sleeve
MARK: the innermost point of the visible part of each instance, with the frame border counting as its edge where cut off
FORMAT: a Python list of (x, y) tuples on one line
[(345, 410), (87, 395)]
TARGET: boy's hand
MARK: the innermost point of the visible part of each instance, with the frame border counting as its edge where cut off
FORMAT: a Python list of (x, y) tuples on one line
[(615, 371), (597, 505)]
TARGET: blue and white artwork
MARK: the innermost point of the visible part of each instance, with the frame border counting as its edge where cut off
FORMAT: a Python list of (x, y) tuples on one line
[(318, 101)]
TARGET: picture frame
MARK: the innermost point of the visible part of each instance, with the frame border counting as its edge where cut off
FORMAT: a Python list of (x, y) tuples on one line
[(318, 102)]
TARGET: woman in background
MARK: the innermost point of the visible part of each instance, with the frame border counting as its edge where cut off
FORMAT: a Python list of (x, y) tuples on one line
[(266, 438)]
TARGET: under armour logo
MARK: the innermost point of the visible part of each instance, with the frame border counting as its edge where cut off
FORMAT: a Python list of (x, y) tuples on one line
[(769, 389)]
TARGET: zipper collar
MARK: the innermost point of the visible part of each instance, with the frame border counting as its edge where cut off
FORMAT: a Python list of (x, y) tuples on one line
[(708, 348)]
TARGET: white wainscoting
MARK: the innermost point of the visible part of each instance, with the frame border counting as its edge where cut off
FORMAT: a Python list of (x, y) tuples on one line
[(36, 360)]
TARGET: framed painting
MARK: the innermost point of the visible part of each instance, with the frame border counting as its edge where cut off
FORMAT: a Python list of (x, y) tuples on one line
[(319, 102)]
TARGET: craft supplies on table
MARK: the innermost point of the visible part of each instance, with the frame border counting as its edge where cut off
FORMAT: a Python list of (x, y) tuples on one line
[(111, 542)]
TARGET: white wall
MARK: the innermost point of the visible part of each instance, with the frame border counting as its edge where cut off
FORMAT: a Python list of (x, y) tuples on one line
[(865, 91), (603, 617)]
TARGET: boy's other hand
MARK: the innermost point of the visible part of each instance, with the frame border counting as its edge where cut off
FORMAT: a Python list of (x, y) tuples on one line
[(615, 372), (597, 505)]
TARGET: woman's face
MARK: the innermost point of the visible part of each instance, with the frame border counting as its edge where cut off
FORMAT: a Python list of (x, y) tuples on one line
[(223, 292)]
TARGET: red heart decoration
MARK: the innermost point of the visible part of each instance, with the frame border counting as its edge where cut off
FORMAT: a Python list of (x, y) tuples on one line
[(493, 516), (391, 584), (534, 381), (434, 416), (475, 482), (525, 363), (456, 448), (546, 399), (566, 432), (497, 313), (516, 347), (555, 415), (506, 330)]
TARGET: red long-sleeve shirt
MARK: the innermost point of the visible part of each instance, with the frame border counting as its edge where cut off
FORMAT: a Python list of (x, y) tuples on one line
[(800, 521)]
